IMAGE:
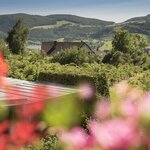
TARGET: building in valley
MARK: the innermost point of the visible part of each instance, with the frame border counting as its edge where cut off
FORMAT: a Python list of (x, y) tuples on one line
[(49, 48)]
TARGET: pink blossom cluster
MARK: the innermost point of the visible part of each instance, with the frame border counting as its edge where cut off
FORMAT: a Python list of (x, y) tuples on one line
[(120, 123)]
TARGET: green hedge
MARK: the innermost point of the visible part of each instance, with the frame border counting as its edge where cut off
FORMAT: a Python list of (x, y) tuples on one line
[(142, 81), (74, 79), (101, 76)]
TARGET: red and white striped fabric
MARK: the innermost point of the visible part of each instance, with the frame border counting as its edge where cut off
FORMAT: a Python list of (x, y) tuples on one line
[(18, 92)]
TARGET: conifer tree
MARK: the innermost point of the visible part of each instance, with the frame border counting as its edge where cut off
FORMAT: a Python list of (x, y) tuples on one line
[(17, 37)]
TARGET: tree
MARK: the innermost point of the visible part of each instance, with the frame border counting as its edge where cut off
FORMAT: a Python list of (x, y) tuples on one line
[(17, 37), (128, 43), (127, 48)]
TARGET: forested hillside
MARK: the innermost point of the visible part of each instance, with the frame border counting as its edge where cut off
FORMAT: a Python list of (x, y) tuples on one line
[(70, 27)]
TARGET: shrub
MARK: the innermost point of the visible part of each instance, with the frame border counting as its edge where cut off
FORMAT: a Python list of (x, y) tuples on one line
[(101, 76), (142, 81), (76, 56), (33, 66), (48, 143)]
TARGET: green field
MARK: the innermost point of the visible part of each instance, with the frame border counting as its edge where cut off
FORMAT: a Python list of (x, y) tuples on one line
[(59, 24), (52, 26)]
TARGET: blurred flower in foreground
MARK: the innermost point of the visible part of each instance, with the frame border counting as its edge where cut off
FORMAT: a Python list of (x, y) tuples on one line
[(3, 66), (144, 112), (23, 133), (103, 110), (114, 134), (75, 140), (123, 123), (86, 91), (3, 69)]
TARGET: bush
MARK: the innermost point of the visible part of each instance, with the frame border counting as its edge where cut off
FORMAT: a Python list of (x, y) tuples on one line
[(28, 66), (101, 76), (76, 56), (48, 143), (142, 81), (33, 66)]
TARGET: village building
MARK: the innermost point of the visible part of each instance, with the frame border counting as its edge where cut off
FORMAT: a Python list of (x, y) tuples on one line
[(49, 48)]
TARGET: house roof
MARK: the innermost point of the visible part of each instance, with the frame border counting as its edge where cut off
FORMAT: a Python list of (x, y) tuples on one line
[(50, 47)]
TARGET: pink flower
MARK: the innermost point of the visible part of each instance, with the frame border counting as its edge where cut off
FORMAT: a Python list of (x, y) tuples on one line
[(103, 110), (76, 139), (86, 91), (125, 92), (114, 134), (129, 109)]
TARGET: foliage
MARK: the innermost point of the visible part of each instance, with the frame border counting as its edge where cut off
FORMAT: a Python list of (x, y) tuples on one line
[(17, 37), (127, 48), (126, 42), (76, 56), (48, 143), (141, 80), (27, 67), (94, 73), (75, 27), (103, 85), (33, 66)]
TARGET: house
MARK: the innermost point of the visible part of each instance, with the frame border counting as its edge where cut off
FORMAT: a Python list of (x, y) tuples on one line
[(54, 47)]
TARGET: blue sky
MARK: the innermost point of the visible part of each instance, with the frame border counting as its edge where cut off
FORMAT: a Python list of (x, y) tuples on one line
[(112, 10)]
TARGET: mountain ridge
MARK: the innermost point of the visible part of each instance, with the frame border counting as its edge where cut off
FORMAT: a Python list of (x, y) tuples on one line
[(72, 27)]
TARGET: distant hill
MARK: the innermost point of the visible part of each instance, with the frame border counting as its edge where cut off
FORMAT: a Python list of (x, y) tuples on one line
[(70, 27), (140, 19), (138, 25)]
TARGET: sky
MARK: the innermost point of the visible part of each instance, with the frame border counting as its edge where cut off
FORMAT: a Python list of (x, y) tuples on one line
[(110, 10)]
